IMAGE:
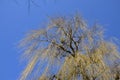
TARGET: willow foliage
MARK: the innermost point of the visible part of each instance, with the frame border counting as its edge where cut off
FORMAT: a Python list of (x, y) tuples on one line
[(68, 49)]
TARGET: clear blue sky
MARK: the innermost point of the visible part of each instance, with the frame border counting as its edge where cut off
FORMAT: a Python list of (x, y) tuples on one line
[(15, 22)]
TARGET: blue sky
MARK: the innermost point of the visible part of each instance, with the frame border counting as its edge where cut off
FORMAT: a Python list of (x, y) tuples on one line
[(15, 21)]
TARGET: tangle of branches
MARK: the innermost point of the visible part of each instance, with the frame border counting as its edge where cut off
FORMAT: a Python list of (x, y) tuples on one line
[(68, 49)]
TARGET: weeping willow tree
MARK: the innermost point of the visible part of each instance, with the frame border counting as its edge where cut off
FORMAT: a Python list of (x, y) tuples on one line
[(68, 49)]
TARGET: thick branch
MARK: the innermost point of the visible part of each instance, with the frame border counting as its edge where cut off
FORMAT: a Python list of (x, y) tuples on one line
[(61, 47), (70, 37)]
